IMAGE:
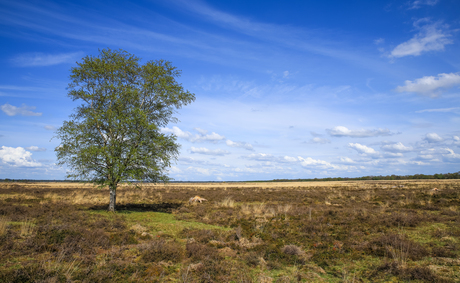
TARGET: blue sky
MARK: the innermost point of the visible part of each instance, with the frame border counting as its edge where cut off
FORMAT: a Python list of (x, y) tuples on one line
[(284, 89)]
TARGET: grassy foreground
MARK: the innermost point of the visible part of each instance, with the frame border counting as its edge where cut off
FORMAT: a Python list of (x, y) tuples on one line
[(356, 231)]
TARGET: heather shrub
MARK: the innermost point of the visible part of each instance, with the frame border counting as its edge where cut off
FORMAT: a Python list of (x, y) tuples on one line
[(197, 252), (161, 250)]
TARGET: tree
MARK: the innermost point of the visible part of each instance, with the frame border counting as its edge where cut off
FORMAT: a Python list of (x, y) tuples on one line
[(115, 134)]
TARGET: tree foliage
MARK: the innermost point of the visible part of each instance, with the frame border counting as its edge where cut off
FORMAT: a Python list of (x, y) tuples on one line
[(115, 134)]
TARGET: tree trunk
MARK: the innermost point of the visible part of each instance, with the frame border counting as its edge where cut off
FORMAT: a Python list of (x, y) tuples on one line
[(113, 197)]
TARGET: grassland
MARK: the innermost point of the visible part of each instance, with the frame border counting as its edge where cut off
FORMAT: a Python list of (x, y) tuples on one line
[(356, 231)]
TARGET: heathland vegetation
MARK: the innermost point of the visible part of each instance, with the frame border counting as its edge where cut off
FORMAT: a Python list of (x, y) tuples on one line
[(354, 231)]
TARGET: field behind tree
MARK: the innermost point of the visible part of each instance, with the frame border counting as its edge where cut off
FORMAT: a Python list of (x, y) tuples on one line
[(353, 231)]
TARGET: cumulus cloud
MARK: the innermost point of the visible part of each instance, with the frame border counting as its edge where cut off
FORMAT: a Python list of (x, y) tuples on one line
[(260, 157), (396, 148), (24, 110), (41, 59), (49, 128), (206, 151), (244, 145), (341, 131), (35, 148), (433, 138), (203, 135), (310, 162), (362, 149), (431, 86), (18, 157), (431, 37)]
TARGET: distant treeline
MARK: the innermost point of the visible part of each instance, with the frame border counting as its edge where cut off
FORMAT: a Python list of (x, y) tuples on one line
[(389, 177)]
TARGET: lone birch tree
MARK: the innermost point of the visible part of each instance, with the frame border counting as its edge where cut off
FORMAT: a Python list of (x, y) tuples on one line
[(115, 134)]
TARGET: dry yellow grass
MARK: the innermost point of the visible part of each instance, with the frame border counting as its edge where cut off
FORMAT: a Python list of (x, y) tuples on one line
[(331, 185)]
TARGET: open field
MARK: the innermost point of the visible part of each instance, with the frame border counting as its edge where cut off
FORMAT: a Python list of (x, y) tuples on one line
[(354, 231)]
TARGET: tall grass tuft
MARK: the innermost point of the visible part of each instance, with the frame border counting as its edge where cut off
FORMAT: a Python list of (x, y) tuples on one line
[(27, 228), (3, 225), (227, 202)]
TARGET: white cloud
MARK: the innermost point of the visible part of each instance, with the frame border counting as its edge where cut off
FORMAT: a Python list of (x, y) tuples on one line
[(49, 128), (451, 156), (322, 165), (287, 159), (201, 131), (199, 170), (392, 154), (431, 85), (24, 110), (17, 157), (341, 131), (418, 3), (433, 138), (201, 137), (40, 59), (347, 160), (319, 140), (35, 148), (203, 150), (363, 149), (260, 157), (244, 145), (456, 140), (396, 148), (431, 37), (310, 162)]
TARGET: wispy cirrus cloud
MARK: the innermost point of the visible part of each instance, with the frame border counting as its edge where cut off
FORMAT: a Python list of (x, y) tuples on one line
[(24, 110), (42, 59), (260, 157), (417, 4), (431, 85), (341, 131), (431, 37), (319, 140), (444, 110), (206, 151), (451, 156), (203, 135), (244, 145), (35, 148)]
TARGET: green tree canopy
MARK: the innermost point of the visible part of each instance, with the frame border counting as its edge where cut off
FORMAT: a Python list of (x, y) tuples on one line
[(114, 135)]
